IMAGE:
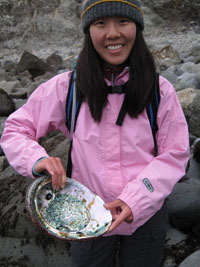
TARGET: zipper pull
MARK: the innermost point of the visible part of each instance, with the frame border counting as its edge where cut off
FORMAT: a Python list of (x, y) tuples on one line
[(112, 77)]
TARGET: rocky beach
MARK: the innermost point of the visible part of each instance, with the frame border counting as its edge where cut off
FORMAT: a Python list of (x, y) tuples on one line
[(39, 39)]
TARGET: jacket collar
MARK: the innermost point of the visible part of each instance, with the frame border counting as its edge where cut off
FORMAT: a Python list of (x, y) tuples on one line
[(115, 77)]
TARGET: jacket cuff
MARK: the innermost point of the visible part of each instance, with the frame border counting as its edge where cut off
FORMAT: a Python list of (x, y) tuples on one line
[(36, 174)]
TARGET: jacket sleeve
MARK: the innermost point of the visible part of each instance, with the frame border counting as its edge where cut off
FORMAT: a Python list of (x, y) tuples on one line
[(146, 193), (43, 112)]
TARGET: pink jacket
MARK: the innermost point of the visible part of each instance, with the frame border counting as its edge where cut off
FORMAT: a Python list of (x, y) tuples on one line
[(112, 161)]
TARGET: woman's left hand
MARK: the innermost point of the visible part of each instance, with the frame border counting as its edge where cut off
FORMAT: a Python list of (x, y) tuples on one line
[(120, 212)]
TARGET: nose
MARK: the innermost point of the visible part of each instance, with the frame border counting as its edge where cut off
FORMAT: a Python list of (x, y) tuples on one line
[(113, 31)]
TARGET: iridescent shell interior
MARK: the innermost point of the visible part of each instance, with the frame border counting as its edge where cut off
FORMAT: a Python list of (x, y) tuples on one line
[(71, 213)]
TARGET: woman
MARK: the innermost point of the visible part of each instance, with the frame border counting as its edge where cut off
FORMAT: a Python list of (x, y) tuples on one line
[(114, 160)]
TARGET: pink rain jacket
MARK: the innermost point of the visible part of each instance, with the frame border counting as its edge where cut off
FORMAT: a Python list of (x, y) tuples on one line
[(112, 161)]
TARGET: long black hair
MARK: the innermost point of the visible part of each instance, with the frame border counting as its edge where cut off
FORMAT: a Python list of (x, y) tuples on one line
[(92, 86)]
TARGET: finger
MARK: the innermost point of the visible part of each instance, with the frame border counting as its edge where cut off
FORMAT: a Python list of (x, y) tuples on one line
[(58, 173), (118, 219), (112, 205), (114, 216), (61, 174), (55, 168), (59, 181)]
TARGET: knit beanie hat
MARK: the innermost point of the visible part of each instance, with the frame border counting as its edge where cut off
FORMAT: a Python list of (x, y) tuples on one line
[(96, 9)]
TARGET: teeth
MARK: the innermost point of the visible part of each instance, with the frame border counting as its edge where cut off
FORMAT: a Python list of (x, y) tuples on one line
[(114, 47)]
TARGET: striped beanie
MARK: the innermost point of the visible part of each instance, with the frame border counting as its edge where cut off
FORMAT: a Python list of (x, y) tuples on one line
[(96, 9)]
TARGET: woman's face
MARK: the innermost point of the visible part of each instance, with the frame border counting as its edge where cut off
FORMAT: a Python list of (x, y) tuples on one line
[(113, 38)]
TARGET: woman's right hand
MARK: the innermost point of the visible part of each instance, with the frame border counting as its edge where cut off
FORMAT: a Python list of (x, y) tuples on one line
[(55, 168)]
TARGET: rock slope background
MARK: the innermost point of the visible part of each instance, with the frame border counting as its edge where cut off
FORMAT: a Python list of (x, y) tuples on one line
[(39, 39)]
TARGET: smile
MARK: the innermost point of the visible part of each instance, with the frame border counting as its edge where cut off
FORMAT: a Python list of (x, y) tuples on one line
[(114, 47)]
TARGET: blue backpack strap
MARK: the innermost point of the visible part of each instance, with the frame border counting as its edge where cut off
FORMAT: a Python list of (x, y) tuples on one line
[(69, 102), (152, 110), (69, 108)]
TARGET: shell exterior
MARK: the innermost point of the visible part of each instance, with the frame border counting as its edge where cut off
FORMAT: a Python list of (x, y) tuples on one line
[(73, 213)]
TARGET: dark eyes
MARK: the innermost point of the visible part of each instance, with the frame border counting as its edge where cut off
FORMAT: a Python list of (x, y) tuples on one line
[(124, 21), (120, 21), (99, 22)]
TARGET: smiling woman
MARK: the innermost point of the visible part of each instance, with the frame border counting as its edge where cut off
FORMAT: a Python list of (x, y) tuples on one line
[(113, 39)]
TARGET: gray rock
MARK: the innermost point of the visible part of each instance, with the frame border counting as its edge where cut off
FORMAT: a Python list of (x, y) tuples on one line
[(190, 59), (25, 78), (3, 75), (194, 164), (33, 26), (183, 203), (157, 3), (190, 99), (19, 102), (174, 237), (21, 15), (151, 19), (2, 123), (190, 67), (13, 215), (7, 105), (1, 152), (164, 64), (192, 139), (167, 51), (187, 80), (196, 150), (10, 67), (9, 87), (192, 261), (55, 62), (32, 64), (194, 168), (170, 74), (169, 262), (19, 93), (8, 172), (191, 51), (184, 8), (42, 251), (3, 163)]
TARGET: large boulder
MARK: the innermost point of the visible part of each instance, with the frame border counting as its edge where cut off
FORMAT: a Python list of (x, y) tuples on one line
[(183, 203), (33, 64), (190, 99), (192, 261), (9, 86), (7, 105)]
